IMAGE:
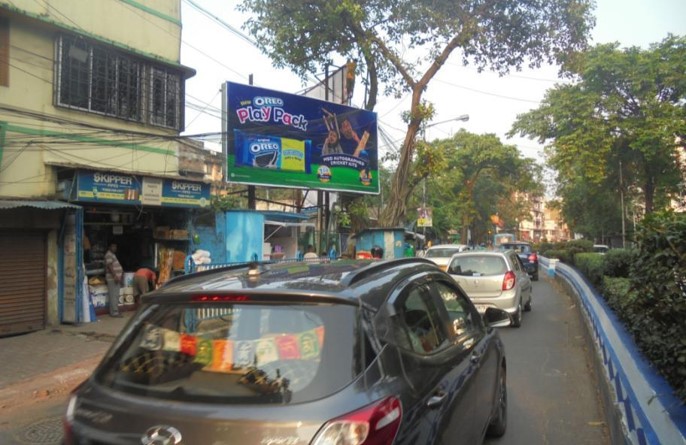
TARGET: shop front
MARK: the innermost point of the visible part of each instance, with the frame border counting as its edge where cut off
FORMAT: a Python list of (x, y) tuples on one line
[(38, 264), (147, 217)]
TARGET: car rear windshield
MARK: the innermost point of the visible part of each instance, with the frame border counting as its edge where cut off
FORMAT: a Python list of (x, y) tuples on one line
[(519, 248), (478, 265), (236, 353), (441, 253)]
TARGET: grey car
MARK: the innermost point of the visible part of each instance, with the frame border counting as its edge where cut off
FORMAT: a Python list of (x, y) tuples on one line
[(494, 279), (346, 352)]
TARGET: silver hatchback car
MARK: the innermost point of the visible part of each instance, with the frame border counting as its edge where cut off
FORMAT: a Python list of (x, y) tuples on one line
[(494, 279)]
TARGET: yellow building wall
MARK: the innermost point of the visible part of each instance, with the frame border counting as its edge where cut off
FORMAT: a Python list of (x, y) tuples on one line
[(147, 26), (39, 135)]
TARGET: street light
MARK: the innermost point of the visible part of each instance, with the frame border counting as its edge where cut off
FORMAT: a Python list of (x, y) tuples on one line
[(463, 118)]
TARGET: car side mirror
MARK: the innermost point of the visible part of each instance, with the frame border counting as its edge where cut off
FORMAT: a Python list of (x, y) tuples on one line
[(496, 318)]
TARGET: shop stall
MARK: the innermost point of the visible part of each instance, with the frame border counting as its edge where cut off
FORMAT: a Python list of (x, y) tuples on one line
[(148, 218)]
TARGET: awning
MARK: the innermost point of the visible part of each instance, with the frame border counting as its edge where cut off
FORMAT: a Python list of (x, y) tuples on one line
[(43, 205), (280, 224), (290, 224)]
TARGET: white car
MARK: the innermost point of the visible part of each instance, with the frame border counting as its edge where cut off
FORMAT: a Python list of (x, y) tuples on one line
[(441, 253), (494, 279)]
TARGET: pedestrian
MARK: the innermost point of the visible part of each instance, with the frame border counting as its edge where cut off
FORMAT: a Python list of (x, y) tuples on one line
[(310, 254), (144, 280), (114, 275), (377, 253)]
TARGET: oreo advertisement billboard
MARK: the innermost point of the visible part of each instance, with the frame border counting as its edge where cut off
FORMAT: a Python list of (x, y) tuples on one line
[(285, 140)]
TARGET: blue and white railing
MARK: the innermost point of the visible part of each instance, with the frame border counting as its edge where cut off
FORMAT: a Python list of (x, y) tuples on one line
[(639, 401)]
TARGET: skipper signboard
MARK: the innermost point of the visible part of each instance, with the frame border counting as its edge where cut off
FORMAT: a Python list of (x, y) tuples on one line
[(285, 140), (121, 188)]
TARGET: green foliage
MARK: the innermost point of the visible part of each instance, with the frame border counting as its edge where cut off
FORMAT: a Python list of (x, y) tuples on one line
[(617, 262), (227, 202), (618, 294), (544, 247), (591, 266), (480, 180), (614, 131), (561, 254), (575, 247), (656, 310)]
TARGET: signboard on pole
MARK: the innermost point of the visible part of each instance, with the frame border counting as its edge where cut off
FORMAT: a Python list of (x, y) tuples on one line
[(285, 140), (425, 218)]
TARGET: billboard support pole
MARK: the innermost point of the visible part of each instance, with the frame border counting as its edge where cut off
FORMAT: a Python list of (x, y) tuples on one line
[(325, 217), (252, 201)]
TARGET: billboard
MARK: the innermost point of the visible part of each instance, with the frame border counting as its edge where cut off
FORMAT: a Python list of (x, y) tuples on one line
[(285, 140)]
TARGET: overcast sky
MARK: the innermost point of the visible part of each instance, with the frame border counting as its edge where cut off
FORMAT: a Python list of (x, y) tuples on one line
[(219, 54)]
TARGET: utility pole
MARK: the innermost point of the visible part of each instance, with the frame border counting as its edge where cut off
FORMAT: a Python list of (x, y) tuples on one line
[(463, 118), (621, 198)]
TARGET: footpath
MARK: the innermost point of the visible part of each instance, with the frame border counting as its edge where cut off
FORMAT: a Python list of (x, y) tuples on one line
[(40, 365)]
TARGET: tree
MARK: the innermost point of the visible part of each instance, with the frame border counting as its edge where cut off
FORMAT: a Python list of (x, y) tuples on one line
[(493, 34), (483, 177), (617, 127)]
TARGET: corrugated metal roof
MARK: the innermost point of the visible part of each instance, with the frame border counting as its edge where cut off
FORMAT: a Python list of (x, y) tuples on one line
[(44, 205)]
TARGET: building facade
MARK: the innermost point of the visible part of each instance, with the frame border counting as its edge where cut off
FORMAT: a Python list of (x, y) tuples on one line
[(545, 224), (91, 109)]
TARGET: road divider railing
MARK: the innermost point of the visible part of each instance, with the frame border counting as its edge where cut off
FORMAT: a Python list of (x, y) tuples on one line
[(640, 405)]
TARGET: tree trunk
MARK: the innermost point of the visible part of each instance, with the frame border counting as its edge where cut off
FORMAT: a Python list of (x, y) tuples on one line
[(400, 188), (401, 181), (649, 194)]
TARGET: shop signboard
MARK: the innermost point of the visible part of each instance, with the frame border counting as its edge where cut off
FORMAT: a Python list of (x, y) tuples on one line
[(285, 140), (119, 188)]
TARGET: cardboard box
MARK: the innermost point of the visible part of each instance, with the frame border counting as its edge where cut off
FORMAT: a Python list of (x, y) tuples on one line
[(179, 234), (128, 279), (162, 232), (98, 295), (179, 261)]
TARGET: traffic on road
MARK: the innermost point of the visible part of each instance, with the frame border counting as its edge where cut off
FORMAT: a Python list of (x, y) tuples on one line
[(547, 394)]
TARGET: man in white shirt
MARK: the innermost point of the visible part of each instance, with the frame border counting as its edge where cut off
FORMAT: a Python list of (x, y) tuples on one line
[(114, 275)]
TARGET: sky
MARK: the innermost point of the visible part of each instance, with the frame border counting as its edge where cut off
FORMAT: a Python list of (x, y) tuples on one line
[(221, 53)]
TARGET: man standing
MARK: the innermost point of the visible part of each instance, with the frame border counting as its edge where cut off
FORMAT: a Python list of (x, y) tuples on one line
[(114, 275)]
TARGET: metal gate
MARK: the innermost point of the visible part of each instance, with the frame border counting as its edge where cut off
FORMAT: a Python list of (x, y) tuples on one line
[(23, 298)]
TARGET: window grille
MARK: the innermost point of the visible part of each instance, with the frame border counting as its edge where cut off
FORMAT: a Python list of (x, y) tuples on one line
[(100, 80)]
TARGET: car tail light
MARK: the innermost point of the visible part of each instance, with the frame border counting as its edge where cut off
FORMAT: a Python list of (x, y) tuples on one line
[(220, 298), (509, 280), (68, 422), (376, 424), (533, 258)]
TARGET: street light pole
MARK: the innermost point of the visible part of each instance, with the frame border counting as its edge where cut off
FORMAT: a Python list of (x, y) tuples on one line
[(463, 118)]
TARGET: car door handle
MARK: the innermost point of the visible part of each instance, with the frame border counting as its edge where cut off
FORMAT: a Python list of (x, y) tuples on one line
[(436, 400), (475, 357)]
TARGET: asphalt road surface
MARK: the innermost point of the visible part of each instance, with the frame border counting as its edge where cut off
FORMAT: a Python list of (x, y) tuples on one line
[(552, 388), (553, 396)]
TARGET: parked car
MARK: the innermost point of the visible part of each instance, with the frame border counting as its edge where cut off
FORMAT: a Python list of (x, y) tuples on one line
[(527, 255), (441, 253), (494, 279), (601, 248), (344, 352)]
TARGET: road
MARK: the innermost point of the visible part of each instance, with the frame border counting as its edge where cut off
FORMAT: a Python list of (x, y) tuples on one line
[(552, 387)]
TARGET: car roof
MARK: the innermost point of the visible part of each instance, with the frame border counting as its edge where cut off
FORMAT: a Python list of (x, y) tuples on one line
[(447, 246), (352, 281), (484, 252)]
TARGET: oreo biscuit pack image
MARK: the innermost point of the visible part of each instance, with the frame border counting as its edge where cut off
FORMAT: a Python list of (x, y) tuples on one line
[(273, 152)]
